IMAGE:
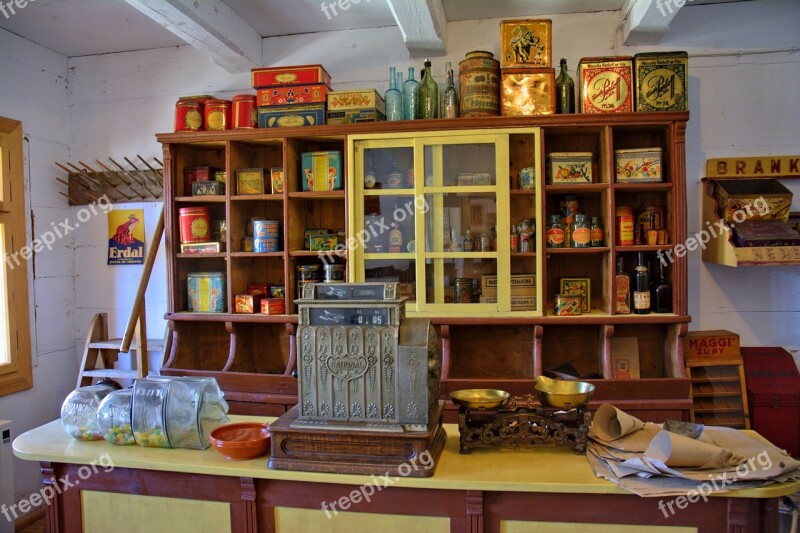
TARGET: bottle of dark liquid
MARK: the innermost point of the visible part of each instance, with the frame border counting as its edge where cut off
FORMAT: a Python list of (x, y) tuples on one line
[(565, 91), (661, 292), (641, 287)]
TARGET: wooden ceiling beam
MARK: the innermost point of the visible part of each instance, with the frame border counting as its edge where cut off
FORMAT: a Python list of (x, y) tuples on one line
[(647, 21), (210, 26), (422, 24)]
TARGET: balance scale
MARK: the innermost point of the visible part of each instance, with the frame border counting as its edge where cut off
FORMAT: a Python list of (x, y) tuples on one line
[(368, 385)]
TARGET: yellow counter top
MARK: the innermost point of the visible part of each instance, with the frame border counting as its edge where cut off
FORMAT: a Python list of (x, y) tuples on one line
[(544, 469)]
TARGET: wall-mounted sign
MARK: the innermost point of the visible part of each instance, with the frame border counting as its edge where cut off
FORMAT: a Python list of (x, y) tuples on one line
[(768, 166), (126, 237)]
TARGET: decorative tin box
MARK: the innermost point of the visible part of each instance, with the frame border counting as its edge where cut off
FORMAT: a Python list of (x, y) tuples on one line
[(206, 292), (192, 174), (261, 289), (638, 165), (277, 180), (569, 167), (752, 233), (277, 291), (526, 43), (291, 116), (208, 188), (250, 181), (273, 306), (321, 171), (756, 199), (202, 248), (322, 242), (605, 84), (661, 81), (291, 75), (295, 94), (313, 232), (528, 91), (248, 303), (580, 287), (346, 107), (568, 305)]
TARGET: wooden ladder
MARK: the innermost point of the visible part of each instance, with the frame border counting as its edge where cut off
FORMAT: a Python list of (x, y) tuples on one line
[(99, 349)]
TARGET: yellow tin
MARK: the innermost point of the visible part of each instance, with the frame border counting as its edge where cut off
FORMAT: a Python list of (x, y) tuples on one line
[(528, 91), (526, 43), (661, 81), (606, 84), (250, 181)]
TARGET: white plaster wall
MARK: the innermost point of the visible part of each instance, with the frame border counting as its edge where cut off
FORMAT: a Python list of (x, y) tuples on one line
[(33, 89)]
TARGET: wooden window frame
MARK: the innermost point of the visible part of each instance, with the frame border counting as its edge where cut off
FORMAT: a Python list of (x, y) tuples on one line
[(16, 375)]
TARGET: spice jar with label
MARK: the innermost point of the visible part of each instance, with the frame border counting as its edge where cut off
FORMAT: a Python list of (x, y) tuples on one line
[(596, 232), (580, 233), (555, 232)]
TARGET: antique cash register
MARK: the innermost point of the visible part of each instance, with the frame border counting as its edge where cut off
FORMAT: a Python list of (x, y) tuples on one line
[(368, 384)]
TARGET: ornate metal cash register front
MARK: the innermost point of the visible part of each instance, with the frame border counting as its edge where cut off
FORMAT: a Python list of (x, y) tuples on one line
[(368, 391)]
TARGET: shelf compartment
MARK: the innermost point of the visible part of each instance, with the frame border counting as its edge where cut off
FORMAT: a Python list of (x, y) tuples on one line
[(211, 154), (570, 251), (317, 195), (595, 267), (240, 221), (190, 336), (255, 270), (514, 361), (257, 197), (260, 348), (195, 263), (220, 255), (641, 136), (577, 345), (580, 139)]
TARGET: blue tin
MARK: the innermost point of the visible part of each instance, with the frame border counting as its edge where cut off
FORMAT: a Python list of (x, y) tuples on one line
[(206, 292), (265, 235), (291, 116)]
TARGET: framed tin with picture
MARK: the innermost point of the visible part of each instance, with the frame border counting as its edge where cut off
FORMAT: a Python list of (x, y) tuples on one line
[(578, 287)]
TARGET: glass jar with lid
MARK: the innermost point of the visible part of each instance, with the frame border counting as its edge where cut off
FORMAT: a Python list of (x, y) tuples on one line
[(580, 234), (114, 417), (148, 416), (194, 407), (79, 411), (555, 232)]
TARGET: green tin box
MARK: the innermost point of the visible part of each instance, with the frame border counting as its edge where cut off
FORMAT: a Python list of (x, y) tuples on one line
[(662, 79)]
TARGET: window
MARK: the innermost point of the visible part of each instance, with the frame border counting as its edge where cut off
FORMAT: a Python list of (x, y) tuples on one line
[(15, 342)]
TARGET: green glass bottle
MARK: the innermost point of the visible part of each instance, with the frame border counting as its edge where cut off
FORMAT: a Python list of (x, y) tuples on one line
[(565, 91), (428, 94)]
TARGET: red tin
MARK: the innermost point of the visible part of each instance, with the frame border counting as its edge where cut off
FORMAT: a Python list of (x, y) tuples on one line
[(218, 115), (245, 115), (195, 224), (606, 84), (273, 306), (294, 94), (261, 289), (291, 75), (189, 114)]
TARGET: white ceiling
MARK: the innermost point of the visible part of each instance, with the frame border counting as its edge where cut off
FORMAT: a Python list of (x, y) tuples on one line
[(89, 27)]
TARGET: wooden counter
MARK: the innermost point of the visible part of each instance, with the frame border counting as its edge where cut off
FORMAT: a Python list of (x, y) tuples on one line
[(489, 490)]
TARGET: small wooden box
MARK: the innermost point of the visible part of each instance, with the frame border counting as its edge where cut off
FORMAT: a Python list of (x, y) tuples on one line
[(526, 43), (712, 344), (250, 181)]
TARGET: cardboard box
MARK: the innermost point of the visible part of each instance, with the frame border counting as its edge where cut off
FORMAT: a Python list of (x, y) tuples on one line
[(312, 232), (321, 171), (518, 303), (625, 357), (489, 281), (277, 180), (273, 306), (291, 116), (709, 345), (202, 248), (192, 174), (319, 243), (290, 75), (260, 289), (516, 290), (297, 94), (247, 303), (753, 199)]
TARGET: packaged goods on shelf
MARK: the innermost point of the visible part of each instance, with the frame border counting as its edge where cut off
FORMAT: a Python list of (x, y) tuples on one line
[(345, 107), (605, 84)]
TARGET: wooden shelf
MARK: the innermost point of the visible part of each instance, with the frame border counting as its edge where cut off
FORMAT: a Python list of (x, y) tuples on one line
[(522, 192), (318, 195), (215, 199), (257, 198), (589, 250), (256, 255), (523, 254), (231, 317), (642, 186), (578, 188), (309, 253), (644, 248), (201, 256)]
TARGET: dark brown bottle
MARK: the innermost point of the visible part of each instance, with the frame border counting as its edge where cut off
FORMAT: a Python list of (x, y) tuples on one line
[(641, 287), (661, 292)]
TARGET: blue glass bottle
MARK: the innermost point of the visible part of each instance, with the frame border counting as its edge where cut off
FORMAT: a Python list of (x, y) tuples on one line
[(393, 98), (410, 97)]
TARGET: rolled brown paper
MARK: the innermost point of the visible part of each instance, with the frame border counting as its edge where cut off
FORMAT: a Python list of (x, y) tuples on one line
[(610, 423), (679, 451)]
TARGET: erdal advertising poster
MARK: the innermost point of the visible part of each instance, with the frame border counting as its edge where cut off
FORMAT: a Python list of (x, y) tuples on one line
[(126, 237)]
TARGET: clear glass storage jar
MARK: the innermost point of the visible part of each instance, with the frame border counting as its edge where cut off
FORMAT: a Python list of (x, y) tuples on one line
[(79, 411), (114, 417), (148, 416)]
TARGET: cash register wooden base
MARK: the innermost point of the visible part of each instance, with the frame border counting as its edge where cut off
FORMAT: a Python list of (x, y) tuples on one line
[(353, 451)]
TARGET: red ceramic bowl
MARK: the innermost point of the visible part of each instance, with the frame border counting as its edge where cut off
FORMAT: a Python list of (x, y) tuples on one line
[(244, 440)]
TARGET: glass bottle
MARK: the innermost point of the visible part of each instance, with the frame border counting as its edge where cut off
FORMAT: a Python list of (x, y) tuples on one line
[(579, 233), (565, 91), (450, 105), (555, 232), (469, 242), (493, 236), (596, 232), (661, 292), (395, 240), (514, 239), (641, 287), (428, 95), (623, 284), (393, 98), (410, 97), (486, 242)]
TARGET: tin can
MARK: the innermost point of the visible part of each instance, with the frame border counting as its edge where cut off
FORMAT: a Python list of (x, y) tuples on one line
[(526, 43), (189, 114), (647, 218), (276, 176), (195, 224), (206, 292), (247, 244), (245, 115), (306, 274), (625, 225), (568, 305), (277, 291), (479, 85), (464, 291), (265, 235), (333, 273), (218, 115), (219, 230), (606, 84), (661, 81), (528, 91)]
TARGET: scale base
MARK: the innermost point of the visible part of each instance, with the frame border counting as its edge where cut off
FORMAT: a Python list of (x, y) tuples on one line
[(315, 449)]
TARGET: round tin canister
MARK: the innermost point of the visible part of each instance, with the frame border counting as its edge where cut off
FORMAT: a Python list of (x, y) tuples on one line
[(195, 224), (245, 114), (306, 274), (265, 235), (624, 225), (189, 114), (218, 115), (333, 273), (479, 85), (464, 290)]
